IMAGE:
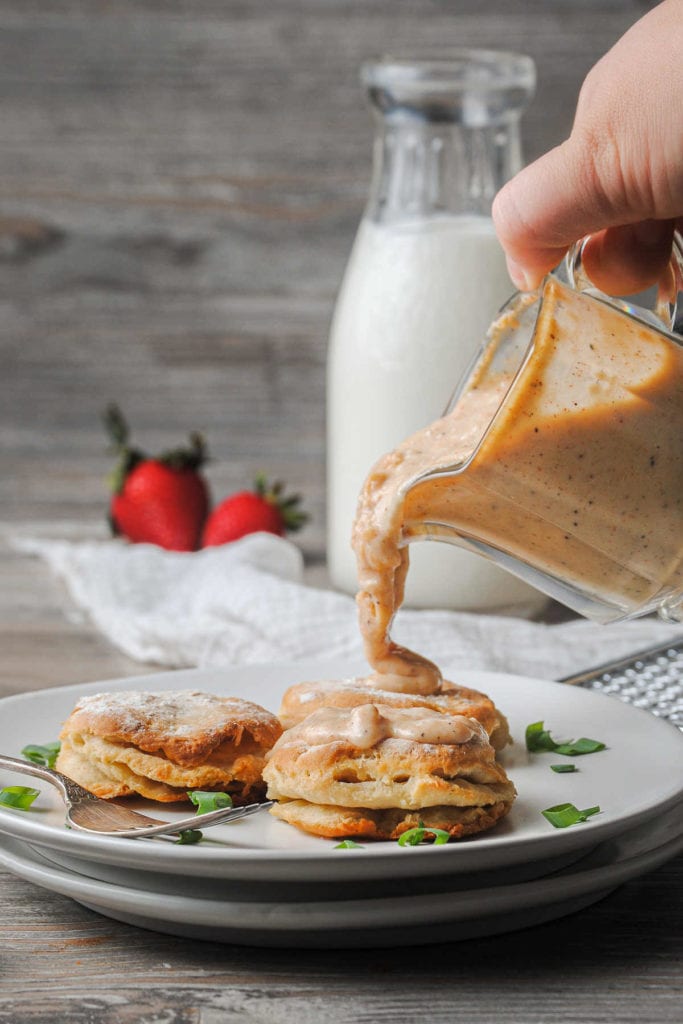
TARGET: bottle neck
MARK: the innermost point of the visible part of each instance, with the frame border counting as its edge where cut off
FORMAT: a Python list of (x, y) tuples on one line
[(422, 168)]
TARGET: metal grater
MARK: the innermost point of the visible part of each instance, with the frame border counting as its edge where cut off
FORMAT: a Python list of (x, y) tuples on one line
[(651, 679)]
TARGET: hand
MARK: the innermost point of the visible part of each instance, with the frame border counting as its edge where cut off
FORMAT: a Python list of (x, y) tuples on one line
[(619, 176)]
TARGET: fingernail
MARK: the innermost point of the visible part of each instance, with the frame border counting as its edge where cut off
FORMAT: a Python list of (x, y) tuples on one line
[(521, 279)]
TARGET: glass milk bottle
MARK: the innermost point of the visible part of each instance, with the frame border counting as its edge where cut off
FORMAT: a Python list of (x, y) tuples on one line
[(424, 280)]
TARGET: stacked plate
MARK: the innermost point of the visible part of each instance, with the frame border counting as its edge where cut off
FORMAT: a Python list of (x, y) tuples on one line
[(261, 882)]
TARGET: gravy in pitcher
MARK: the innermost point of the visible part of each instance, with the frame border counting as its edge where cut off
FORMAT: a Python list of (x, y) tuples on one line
[(574, 468)]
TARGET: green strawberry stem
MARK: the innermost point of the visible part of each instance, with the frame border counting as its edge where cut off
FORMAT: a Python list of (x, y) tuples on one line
[(192, 457), (117, 430), (116, 426), (293, 517)]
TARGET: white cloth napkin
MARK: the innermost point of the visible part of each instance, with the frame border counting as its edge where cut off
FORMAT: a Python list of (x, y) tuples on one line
[(245, 603)]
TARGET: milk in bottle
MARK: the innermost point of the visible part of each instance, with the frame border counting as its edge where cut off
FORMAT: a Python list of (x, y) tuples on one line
[(425, 278)]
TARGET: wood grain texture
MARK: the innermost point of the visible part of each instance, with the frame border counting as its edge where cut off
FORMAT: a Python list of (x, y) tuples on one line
[(581, 970), (180, 182)]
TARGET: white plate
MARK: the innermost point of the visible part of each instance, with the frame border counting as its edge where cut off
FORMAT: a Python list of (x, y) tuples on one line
[(196, 885), (636, 778), (394, 921)]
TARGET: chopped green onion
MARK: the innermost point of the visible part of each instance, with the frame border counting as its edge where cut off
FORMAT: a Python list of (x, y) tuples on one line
[(20, 797), (539, 740), (189, 836), (564, 815), (415, 836), (206, 801), (563, 769), (580, 746), (45, 754), (348, 844)]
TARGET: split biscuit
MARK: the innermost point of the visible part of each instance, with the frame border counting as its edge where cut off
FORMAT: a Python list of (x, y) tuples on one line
[(365, 823), (375, 770), (302, 699), (160, 745)]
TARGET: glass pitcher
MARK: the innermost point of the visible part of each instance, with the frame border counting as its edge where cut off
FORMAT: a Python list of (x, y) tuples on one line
[(425, 278), (575, 483)]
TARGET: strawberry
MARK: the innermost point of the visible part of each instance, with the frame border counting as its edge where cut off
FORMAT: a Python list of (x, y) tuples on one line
[(162, 500), (265, 508)]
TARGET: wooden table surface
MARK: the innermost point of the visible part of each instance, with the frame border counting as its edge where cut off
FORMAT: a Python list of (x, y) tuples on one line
[(179, 186), (619, 960)]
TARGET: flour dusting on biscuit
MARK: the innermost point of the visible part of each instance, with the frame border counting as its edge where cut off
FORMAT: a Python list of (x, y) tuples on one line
[(160, 745)]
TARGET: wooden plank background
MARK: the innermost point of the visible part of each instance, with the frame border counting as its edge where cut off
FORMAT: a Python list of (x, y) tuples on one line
[(85, 969), (180, 181)]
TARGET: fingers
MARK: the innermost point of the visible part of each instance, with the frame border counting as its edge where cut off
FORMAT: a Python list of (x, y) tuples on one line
[(619, 176), (629, 259), (561, 198), (547, 207)]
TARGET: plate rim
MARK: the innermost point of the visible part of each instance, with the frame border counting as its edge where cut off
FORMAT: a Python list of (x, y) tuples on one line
[(257, 915)]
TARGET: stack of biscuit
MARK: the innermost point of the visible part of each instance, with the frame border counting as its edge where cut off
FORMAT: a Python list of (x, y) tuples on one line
[(354, 760), (375, 769), (160, 745)]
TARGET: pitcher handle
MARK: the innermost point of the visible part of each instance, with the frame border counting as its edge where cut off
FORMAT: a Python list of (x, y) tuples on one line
[(669, 287)]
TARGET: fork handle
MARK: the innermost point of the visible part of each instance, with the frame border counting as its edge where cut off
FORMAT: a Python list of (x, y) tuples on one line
[(69, 790)]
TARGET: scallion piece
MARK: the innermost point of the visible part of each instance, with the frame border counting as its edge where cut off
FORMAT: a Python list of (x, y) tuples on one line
[(563, 769), (580, 746), (189, 836), (45, 753), (539, 741), (564, 815), (20, 797), (415, 836), (348, 844), (207, 801)]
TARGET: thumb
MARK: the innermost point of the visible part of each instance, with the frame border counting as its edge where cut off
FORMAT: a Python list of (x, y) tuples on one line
[(562, 197), (548, 206)]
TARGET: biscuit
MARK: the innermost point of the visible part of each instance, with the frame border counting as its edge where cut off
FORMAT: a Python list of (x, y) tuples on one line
[(302, 699), (159, 745), (375, 770), (363, 823)]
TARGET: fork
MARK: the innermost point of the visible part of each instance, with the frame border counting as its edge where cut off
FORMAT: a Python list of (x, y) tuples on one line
[(88, 813)]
